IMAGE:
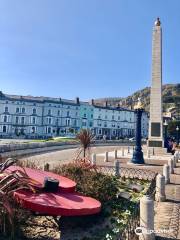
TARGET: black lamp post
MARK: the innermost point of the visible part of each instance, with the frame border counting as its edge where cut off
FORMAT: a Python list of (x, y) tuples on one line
[(177, 136), (138, 154)]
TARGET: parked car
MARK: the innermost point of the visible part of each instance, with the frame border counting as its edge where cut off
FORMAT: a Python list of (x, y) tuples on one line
[(132, 139)]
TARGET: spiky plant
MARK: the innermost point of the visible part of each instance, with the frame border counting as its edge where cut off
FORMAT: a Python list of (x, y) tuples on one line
[(86, 138), (9, 183)]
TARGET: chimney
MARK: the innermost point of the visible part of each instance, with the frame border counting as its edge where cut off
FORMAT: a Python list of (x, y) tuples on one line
[(77, 100), (92, 101)]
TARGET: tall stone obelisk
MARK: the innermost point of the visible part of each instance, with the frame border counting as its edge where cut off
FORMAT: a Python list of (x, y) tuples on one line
[(156, 119)]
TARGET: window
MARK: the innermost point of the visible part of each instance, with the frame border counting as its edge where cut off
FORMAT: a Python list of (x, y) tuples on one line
[(23, 110), (106, 117), (113, 117), (100, 131), (34, 111), (99, 116), (6, 109), (67, 122), (84, 124), (67, 113), (17, 110), (49, 121), (33, 130), (49, 112), (4, 129), (22, 120), (58, 113), (84, 115), (49, 130), (105, 124), (5, 118), (17, 120), (76, 114), (90, 124), (75, 122), (34, 120), (119, 118), (91, 115)]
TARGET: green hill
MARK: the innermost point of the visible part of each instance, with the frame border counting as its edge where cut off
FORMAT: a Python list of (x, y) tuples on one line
[(171, 99)]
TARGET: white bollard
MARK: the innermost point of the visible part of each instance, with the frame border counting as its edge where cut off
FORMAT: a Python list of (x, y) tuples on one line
[(171, 166), (147, 218), (160, 188), (115, 154), (166, 173), (93, 159), (117, 168), (122, 151), (176, 155), (106, 157), (174, 161)]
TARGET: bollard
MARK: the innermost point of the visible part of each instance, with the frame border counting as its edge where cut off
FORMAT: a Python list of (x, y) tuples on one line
[(115, 154), (148, 153), (147, 218), (122, 151), (93, 159), (153, 152), (171, 164), (106, 157), (166, 173), (128, 149), (46, 167), (174, 161), (176, 155), (160, 188), (117, 168)]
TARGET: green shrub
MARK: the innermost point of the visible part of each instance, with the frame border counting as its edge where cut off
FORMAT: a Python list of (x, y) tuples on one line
[(90, 181)]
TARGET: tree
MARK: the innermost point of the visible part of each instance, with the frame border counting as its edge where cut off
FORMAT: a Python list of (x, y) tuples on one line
[(86, 138)]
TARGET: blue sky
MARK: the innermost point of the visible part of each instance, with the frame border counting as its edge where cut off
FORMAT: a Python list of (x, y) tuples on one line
[(85, 48)]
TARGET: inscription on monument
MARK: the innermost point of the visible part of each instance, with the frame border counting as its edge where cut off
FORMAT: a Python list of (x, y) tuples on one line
[(155, 143), (155, 129)]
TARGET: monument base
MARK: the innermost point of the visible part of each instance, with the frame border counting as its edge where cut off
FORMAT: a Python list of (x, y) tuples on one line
[(155, 143)]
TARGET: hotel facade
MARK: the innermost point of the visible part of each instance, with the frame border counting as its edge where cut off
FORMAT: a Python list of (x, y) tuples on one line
[(44, 117)]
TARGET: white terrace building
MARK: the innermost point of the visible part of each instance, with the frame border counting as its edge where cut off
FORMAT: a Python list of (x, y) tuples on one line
[(42, 117)]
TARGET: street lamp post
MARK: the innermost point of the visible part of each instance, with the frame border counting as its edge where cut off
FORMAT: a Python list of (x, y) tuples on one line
[(177, 136), (138, 154)]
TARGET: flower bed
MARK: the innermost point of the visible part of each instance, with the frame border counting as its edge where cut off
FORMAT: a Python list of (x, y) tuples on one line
[(120, 204), (117, 208)]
